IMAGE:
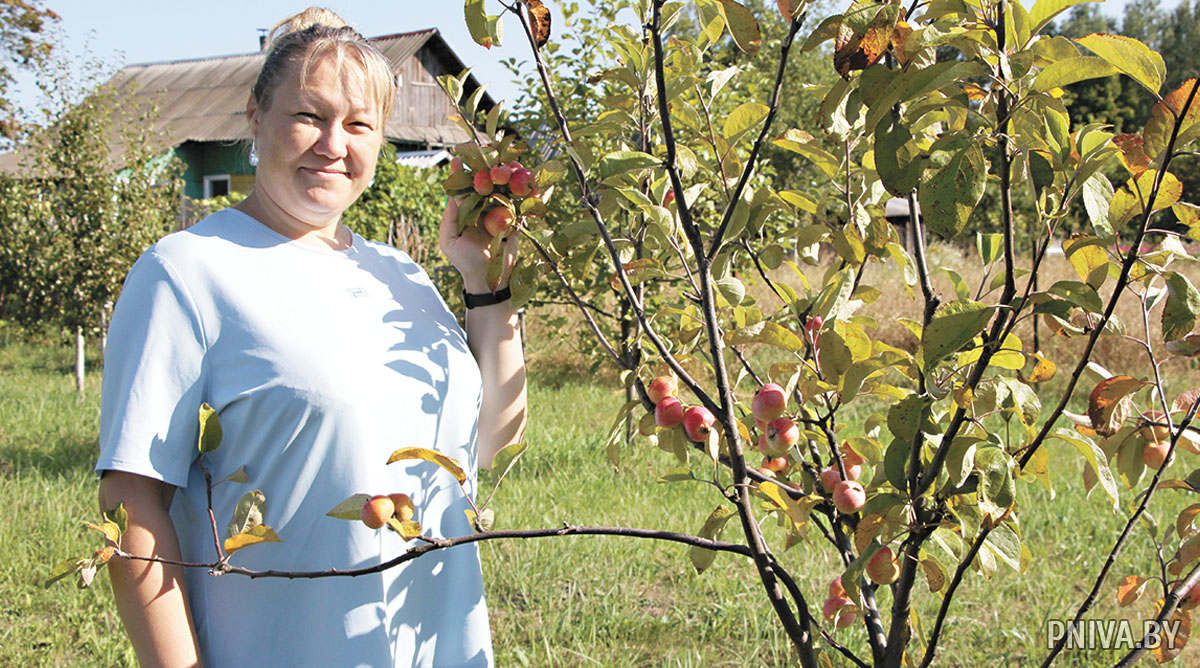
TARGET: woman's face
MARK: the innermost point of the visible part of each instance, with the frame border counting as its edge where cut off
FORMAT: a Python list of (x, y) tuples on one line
[(317, 144)]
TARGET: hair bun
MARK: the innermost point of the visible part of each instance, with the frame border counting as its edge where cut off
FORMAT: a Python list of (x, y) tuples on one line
[(313, 16)]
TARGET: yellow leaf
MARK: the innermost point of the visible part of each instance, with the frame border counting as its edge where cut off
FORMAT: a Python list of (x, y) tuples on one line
[(1130, 590), (259, 533), (1174, 638), (1185, 524), (112, 533), (430, 456), (1043, 370), (974, 92), (408, 529)]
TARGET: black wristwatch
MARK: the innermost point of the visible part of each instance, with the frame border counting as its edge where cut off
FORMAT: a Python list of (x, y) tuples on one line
[(486, 298)]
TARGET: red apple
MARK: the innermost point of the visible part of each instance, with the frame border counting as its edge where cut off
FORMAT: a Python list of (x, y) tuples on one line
[(830, 478), (849, 496), (782, 434), (497, 220), (668, 197), (376, 511), (521, 182), (850, 457), (836, 589), (662, 387), (882, 568), (500, 174), (833, 611), (1155, 453), (483, 183), (697, 422), (769, 403), (668, 412), (814, 325), (779, 465)]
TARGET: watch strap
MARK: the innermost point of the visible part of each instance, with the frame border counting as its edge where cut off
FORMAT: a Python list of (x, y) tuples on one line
[(486, 298)]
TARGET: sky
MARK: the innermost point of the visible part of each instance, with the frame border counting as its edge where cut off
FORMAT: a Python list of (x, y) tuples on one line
[(122, 32)]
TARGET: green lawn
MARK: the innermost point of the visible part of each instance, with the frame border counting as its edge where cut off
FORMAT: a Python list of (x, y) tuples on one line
[(576, 601)]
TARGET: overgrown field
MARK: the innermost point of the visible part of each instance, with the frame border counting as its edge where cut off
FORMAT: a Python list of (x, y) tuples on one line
[(579, 601)]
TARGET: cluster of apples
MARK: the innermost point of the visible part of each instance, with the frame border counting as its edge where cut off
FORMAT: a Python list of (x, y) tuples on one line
[(669, 411), (379, 509), (839, 609), (503, 186), (1157, 437), (779, 433)]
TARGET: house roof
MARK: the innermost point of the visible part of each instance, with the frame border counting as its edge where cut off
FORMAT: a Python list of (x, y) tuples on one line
[(204, 99)]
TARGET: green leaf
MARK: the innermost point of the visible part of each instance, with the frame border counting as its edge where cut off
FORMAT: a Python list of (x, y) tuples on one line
[(65, 568), (1095, 459), (237, 476), (430, 456), (770, 333), (1097, 193), (1072, 70), (1080, 294), (210, 429), (259, 533), (677, 474), (905, 417), (743, 119), (452, 86), (952, 327), (996, 484), (742, 26), (619, 162), (118, 516), (477, 23), (248, 512), (950, 191), (1130, 56), (614, 433), (1006, 545), (506, 459), (701, 557), (834, 355), (990, 246), (731, 289), (1182, 307), (895, 158), (1044, 11), (351, 508)]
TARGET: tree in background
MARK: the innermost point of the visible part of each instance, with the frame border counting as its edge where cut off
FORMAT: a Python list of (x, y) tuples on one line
[(77, 216), (24, 43)]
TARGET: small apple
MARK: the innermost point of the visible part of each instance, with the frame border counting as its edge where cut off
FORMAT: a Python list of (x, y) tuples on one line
[(668, 197), (781, 434), (483, 183), (814, 325), (778, 465), (849, 496), (668, 413), (456, 165), (769, 403), (514, 165), (850, 457), (377, 511), (500, 174), (697, 422), (1155, 433), (1155, 453), (833, 611), (497, 220), (830, 477), (521, 182), (662, 387), (882, 568), (836, 589), (404, 506)]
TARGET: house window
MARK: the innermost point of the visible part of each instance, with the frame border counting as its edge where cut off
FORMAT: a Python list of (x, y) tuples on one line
[(216, 185)]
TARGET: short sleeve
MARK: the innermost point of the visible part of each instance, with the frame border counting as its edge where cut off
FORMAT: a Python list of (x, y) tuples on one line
[(154, 379)]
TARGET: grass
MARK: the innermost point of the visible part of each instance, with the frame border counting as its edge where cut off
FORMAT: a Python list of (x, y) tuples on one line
[(579, 601)]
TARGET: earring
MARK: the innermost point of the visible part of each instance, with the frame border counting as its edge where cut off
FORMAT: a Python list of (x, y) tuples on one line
[(253, 158)]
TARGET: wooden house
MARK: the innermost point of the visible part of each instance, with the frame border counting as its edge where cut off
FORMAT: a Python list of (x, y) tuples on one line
[(201, 105)]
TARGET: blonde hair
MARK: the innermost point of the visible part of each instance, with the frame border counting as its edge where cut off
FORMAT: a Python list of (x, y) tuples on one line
[(304, 38)]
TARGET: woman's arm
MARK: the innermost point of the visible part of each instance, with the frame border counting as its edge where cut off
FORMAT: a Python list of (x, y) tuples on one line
[(494, 337), (151, 597)]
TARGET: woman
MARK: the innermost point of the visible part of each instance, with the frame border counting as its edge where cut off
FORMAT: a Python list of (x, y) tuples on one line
[(322, 353)]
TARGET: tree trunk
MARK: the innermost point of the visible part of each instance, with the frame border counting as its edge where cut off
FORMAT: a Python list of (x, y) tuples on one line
[(79, 359)]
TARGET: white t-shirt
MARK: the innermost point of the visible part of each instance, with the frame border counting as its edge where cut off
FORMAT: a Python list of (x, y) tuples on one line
[(320, 364)]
